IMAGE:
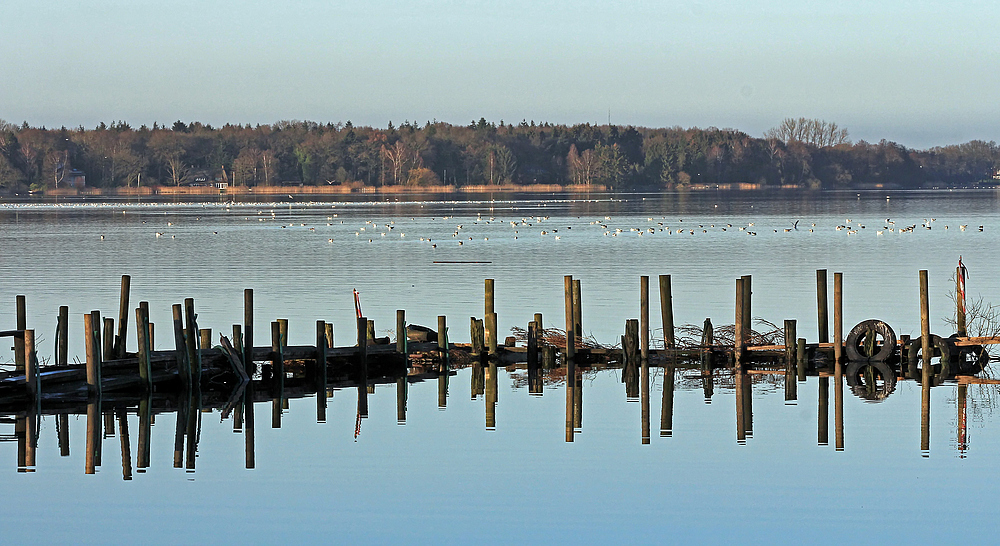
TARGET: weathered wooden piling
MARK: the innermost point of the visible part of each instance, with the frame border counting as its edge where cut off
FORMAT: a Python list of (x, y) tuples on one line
[(248, 361), (143, 350), (667, 312), (321, 370), (823, 318), (747, 313), (108, 339), (205, 337), (577, 310), (490, 309), (194, 355), (21, 323), (644, 317), (707, 343), (119, 343), (548, 357), (739, 335), (93, 356), (532, 351), (180, 346), (570, 318), (538, 320), (329, 336), (800, 358), (925, 329), (370, 329), (632, 354), (790, 337), (31, 383), (477, 333), (960, 315), (62, 336), (401, 331), (442, 343), (838, 319), (277, 351), (363, 366)]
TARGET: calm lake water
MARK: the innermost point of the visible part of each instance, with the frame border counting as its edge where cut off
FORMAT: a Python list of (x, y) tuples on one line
[(443, 475)]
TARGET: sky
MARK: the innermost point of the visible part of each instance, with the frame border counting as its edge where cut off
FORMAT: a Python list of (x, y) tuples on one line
[(919, 72)]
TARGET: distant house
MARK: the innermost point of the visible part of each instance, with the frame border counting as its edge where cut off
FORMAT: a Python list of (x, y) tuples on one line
[(75, 178)]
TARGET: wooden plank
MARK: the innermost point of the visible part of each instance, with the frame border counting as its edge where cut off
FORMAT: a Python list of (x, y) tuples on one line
[(973, 380), (967, 341)]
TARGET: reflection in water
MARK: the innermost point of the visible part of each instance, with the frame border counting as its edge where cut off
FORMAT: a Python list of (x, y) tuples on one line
[(62, 431), (145, 430), (491, 396), (667, 404), (401, 392), (578, 401), (248, 423), (707, 385), (644, 394), (823, 427), (442, 382), (963, 439), (838, 406), (94, 436), (744, 406), (126, 447), (925, 417), (478, 379)]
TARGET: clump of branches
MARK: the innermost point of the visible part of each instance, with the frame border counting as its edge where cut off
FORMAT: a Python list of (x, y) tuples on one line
[(554, 337), (982, 319), (690, 336)]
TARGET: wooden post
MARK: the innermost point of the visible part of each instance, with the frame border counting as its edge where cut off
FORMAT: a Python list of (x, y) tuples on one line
[(31, 366), (401, 388), (283, 330), (151, 339), (491, 326), (644, 394), (538, 320), (821, 307), (532, 352), (838, 319), (790, 345), (277, 374), (248, 426), (124, 439), (747, 313), (248, 362), (194, 356), (800, 358), (548, 357), (401, 331), (329, 335), (632, 355), (109, 339), (93, 432), (925, 329), (738, 336), (62, 431), (119, 345), (477, 333), (142, 333), (370, 331), (577, 310), (960, 303), (707, 342), (145, 426), (443, 342), (93, 356), (321, 354), (491, 394), (180, 346), (490, 309), (644, 319), (838, 406), (667, 312), (62, 341), (21, 324), (363, 366), (667, 403), (570, 314), (206, 338)]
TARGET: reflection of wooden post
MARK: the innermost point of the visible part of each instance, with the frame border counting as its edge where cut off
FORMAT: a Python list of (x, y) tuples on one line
[(838, 318), (491, 395), (667, 404), (823, 427), (925, 413), (363, 366), (401, 394), (578, 400), (442, 380), (823, 323), (248, 426), (644, 316), (123, 437), (925, 329), (838, 408), (644, 394), (93, 435), (963, 438), (532, 352), (960, 303), (62, 429), (667, 312), (741, 429), (145, 426)]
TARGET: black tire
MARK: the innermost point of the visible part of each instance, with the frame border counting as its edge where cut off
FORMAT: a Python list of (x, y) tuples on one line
[(970, 359), (873, 393), (854, 346), (940, 347)]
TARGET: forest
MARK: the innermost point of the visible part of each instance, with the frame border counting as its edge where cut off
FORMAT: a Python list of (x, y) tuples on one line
[(802, 153)]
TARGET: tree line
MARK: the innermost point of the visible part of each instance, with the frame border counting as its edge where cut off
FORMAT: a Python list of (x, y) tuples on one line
[(801, 152)]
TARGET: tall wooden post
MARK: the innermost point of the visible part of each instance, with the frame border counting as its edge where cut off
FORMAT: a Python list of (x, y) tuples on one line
[(747, 313), (790, 336), (644, 318), (31, 367), (180, 346), (21, 324), (119, 348), (570, 317), (838, 319), (248, 362), (823, 322), (142, 337), (667, 312), (401, 331), (490, 308), (93, 356), (577, 310), (738, 337), (194, 356), (960, 303), (443, 342), (62, 343), (925, 329)]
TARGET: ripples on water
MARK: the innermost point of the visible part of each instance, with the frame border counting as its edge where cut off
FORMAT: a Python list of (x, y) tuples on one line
[(445, 477)]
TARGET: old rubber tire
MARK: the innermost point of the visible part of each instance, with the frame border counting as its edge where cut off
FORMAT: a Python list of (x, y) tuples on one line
[(855, 379), (962, 364), (939, 347), (855, 339)]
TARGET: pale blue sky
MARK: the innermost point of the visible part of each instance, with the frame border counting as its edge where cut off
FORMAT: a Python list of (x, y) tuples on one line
[(921, 72)]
